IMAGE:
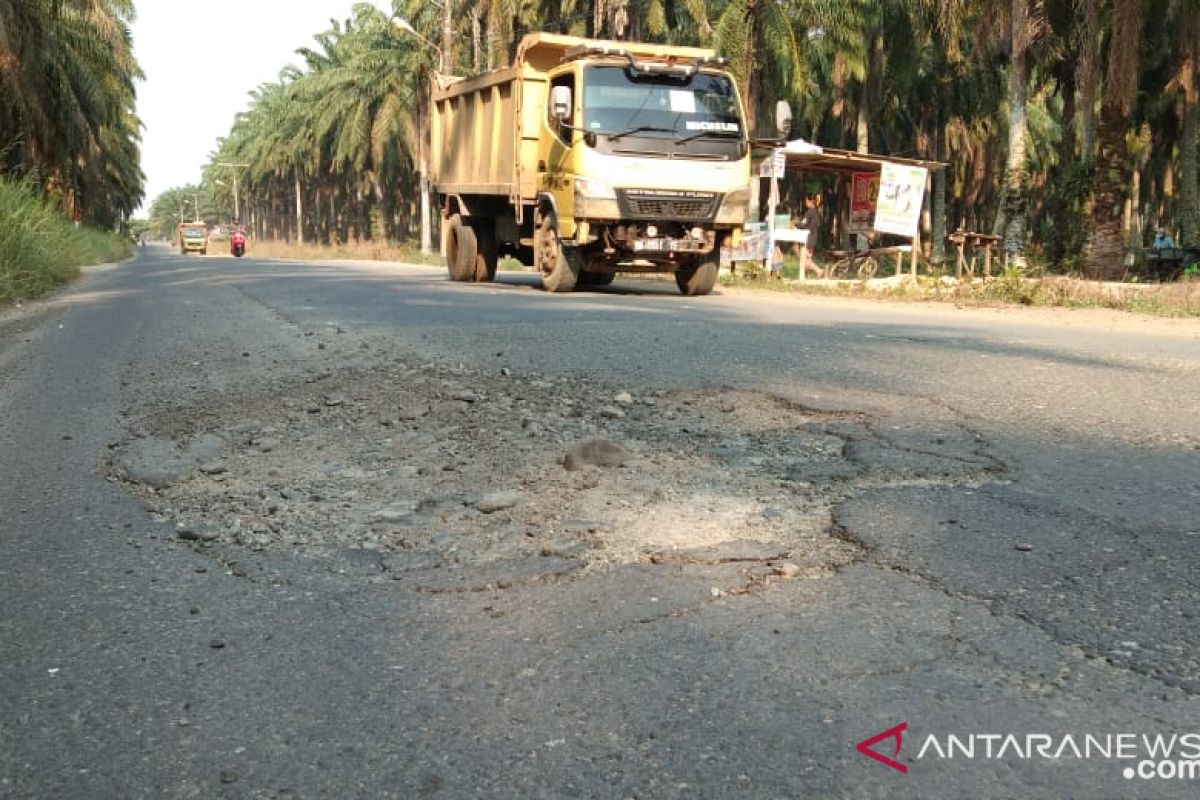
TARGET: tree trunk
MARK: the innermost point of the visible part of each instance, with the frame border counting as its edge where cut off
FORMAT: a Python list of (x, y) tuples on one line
[(1189, 191), (1063, 212), (423, 166), (447, 37), (1089, 75), (1106, 247), (938, 201), (299, 211), (477, 38), (1015, 178)]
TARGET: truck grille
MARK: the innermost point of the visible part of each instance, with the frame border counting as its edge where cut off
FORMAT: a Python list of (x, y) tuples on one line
[(667, 205)]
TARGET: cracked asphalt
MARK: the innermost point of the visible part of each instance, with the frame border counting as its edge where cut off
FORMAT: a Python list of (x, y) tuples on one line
[(275, 530)]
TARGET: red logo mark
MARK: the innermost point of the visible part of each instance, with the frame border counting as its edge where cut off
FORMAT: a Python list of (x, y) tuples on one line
[(896, 733)]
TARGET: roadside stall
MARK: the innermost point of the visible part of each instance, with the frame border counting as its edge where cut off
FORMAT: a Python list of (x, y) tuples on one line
[(886, 197)]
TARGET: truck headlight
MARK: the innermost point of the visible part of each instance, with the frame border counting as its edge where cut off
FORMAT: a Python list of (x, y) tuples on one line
[(591, 189), (735, 207), (737, 200)]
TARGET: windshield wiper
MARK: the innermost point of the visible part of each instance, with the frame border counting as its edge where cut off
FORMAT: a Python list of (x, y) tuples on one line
[(720, 134), (614, 136)]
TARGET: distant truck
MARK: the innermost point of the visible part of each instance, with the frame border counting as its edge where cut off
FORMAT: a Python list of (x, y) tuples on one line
[(193, 238), (587, 158)]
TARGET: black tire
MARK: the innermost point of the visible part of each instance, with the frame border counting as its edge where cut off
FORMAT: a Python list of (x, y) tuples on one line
[(462, 248), (697, 279), (559, 273), (487, 255), (203, 252), (596, 278)]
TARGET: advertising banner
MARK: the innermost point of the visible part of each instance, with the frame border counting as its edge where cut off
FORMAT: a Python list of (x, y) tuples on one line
[(864, 191), (901, 193)]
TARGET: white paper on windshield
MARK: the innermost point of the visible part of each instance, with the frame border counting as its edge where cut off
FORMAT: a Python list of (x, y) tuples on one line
[(683, 101)]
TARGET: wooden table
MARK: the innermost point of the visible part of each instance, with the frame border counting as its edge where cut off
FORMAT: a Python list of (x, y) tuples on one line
[(1168, 263), (976, 241)]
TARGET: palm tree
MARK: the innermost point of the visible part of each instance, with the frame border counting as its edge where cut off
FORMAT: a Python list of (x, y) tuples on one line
[(66, 102), (1110, 188), (1186, 81)]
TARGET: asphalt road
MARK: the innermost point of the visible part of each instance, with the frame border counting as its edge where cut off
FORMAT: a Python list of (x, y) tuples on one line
[(1023, 504)]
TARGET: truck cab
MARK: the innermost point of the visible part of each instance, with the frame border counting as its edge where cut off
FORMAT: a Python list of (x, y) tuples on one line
[(646, 162)]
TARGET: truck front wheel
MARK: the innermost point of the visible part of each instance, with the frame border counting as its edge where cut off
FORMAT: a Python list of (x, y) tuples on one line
[(559, 273), (697, 278), (462, 249)]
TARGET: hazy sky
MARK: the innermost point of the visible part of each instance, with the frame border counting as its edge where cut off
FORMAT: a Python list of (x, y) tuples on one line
[(199, 73)]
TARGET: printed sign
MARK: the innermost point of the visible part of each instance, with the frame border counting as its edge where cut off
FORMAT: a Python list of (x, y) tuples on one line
[(901, 193), (773, 166), (864, 192)]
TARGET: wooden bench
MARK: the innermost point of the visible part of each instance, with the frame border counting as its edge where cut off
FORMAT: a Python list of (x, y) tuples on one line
[(844, 260), (975, 241)]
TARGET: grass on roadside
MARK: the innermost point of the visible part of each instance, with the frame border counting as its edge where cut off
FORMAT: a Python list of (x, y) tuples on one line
[(1180, 299), (41, 249), (356, 251)]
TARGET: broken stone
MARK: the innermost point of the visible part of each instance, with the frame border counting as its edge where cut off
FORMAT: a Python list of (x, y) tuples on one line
[(612, 412), (787, 570), (396, 511), (595, 452), (623, 399), (413, 412), (497, 501)]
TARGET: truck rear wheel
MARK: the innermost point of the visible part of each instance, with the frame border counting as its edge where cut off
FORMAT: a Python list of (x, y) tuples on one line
[(487, 256), (697, 278), (462, 248), (559, 273)]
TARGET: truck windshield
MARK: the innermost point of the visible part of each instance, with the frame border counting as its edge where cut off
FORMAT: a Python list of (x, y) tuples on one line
[(616, 102), (193, 233)]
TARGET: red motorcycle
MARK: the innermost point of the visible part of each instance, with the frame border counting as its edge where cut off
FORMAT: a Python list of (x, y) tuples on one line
[(237, 243)]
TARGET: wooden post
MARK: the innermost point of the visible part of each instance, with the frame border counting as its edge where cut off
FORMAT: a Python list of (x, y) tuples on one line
[(987, 260), (916, 246)]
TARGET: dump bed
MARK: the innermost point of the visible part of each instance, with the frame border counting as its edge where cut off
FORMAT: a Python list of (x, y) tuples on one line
[(477, 134)]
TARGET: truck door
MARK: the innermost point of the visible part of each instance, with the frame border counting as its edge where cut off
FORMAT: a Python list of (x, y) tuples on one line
[(556, 164)]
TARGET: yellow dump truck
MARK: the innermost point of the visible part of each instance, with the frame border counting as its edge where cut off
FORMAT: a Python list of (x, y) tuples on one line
[(193, 238), (587, 158)]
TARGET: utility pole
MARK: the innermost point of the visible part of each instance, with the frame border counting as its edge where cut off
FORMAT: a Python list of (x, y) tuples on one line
[(237, 210)]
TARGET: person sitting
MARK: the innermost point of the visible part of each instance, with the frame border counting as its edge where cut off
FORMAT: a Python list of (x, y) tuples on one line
[(1162, 241)]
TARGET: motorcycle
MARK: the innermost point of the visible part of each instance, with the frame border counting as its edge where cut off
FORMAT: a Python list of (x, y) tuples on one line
[(237, 244)]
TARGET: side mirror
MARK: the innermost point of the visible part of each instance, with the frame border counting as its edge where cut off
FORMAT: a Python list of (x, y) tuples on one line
[(783, 118), (560, 103)]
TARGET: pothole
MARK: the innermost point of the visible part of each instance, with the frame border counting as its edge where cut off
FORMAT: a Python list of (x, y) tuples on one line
[(439, 467)]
